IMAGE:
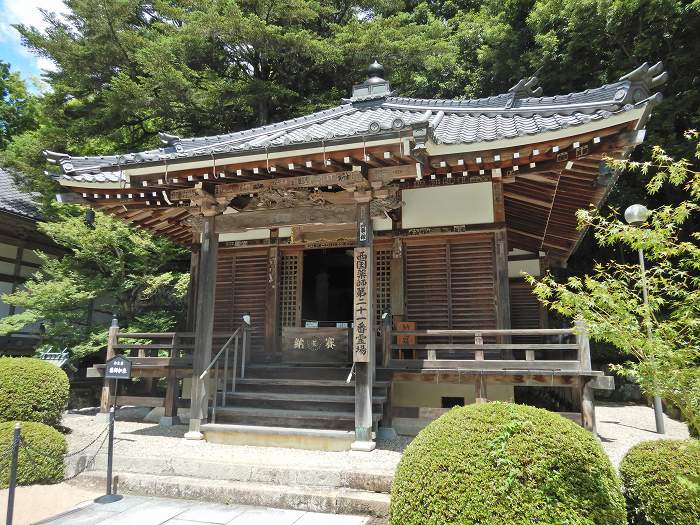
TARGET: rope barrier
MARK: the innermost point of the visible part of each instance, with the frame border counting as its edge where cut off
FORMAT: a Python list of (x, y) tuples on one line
[(29, 451)]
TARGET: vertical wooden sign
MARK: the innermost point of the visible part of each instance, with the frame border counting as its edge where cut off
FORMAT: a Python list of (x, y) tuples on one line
[(363, 328)]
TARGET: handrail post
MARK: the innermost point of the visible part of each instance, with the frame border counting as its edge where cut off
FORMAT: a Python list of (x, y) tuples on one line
[(478, 340), (225, 375), (584, 347), (235, 364), (244, 353), (386, 339)]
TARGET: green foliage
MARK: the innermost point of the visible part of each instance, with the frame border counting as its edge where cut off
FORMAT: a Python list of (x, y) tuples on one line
[(499, 463), (661, 340), (46, 467), (18, 111), (114, 266), (32, 390), (662, 482)]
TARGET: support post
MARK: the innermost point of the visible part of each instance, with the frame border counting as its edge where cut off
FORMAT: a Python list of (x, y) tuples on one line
[(588, 405), (106, 397), (502, 288), (386, 339), (364, 331), (586, 389), (204, 328), (192, 289), (170, 416), (272, 298)]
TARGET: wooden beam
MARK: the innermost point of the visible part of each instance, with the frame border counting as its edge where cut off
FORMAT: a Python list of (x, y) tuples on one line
[(337, 178), (278, 218)]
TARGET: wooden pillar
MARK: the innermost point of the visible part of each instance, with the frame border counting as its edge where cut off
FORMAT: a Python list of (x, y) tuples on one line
[(501, 258), (588, 405), (192, 288), (502, 282), (105, 398), (204, 329), (363, 329), (396, 276), (170, 417), (272, 297), (586, 389)]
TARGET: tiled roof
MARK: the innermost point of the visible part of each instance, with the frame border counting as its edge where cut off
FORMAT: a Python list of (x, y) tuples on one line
[(516, 113), (14, 201)]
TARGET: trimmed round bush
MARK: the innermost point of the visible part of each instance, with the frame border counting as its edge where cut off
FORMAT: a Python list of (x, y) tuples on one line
[(43, 467), (501, 463), (32, 390), (662, 482)]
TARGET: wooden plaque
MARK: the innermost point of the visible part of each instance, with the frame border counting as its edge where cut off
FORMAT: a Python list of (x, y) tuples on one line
[(405, 340), (362, 329), (315, 345)]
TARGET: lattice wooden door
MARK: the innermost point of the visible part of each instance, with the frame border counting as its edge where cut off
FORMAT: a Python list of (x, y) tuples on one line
[(291, 273)]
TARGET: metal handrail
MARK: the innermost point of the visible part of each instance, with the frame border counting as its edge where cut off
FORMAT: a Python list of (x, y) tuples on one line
[(216, 357), (240, 333)]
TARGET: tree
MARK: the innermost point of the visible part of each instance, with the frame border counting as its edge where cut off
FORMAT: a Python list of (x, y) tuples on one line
[(113, 266), (17, 106), (610, 299)]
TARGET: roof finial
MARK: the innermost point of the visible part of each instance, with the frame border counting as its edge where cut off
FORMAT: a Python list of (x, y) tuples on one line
[(375, 73)]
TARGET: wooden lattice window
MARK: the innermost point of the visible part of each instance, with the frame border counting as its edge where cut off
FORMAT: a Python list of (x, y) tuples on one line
[(291, 272), (382, 263)]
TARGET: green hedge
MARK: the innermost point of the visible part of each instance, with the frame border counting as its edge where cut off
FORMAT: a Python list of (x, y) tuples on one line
[(42, 468), (662, 482), (32, 390), (501, 463)]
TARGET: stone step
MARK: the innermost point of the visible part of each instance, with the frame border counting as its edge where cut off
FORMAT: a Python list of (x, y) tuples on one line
[(230, 468), (332, 372), (297, 372), (292, 401), (284, 437), (306, 386), (299, 497), (270, 417)]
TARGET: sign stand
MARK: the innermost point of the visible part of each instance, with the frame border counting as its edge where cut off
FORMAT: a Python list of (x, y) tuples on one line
[(119, 367)]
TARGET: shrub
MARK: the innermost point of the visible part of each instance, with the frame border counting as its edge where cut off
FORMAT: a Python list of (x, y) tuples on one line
[(662, 482), (32, 390), (33, 467), (500, 463)]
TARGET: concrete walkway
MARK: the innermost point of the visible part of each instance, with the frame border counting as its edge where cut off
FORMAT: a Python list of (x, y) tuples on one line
[(132, 510)]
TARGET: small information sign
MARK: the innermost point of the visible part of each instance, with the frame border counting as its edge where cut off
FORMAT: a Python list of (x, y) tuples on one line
[(119, 367)]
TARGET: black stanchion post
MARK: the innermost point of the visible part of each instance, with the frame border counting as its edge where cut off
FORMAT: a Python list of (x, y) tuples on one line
[(110, 451), (119, 367), (13, 474)]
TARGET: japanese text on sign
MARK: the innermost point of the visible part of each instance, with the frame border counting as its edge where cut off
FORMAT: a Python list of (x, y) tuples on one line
[(362, 307)]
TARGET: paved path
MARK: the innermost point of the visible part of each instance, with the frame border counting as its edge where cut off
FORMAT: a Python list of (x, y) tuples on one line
[(137, 510), (38, 502)]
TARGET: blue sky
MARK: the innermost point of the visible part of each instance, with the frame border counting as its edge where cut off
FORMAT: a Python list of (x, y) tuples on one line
[(11, 50)]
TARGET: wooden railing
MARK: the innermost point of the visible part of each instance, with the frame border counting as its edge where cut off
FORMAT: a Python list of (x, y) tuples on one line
[(467, 349), (152, 355)]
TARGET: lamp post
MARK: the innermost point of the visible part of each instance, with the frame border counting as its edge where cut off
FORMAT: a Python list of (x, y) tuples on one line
[(636, 215)]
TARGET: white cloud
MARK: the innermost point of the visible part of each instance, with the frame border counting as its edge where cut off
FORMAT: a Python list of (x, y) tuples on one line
[(26, 12)]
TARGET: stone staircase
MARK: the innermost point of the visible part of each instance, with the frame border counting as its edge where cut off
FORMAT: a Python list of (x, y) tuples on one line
[(297, 406)]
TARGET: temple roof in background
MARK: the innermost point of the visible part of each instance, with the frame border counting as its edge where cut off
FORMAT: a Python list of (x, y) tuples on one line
[(15, 201)]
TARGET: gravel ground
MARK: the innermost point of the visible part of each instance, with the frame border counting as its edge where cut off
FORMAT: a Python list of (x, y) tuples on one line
[(620, 426), (138, 439)]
